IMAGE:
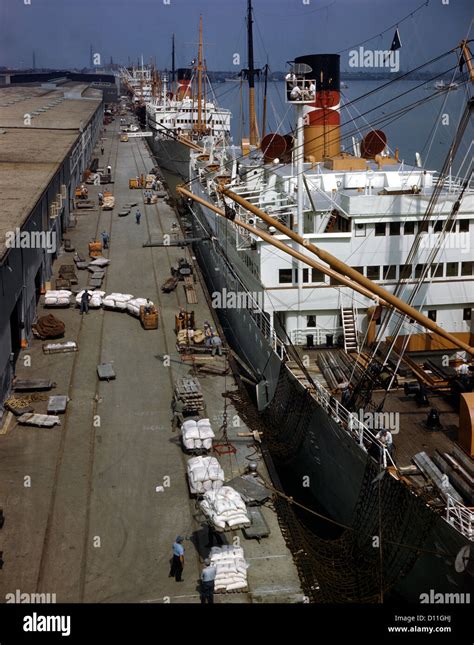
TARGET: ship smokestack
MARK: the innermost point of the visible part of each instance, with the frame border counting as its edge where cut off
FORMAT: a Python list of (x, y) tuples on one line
[(184, 83), (322, 119)]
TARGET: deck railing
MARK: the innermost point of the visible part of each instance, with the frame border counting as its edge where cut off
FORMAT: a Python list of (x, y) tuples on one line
[(461, 517), (299, 336), (457, 514), (350, 422)]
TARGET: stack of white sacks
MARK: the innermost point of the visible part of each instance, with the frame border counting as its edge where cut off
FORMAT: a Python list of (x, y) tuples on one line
[(225, 509), (204, 473), (96, 300), (57, 298), (117, 301), (197, 435), (133, 305), (231, 568)]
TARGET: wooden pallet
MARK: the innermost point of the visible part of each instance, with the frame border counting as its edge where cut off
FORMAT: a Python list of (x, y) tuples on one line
[(190, 291), (60, 348), (223, 591)]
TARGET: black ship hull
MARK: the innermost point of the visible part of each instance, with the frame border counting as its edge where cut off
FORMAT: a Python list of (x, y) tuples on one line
[(171, 155)]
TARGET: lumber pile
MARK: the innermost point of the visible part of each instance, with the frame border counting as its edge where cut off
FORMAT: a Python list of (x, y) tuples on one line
[(189, 290)]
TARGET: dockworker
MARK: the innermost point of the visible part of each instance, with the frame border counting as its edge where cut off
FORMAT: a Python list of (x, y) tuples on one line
[(105, 239), (216, 344), (86, 296), (177, 564), (208, 577), (386, 439), (296, 93), (101, 199), (463, 369), (102, 150), (138, 216), (345, 388), (208, 333), (109, 170)]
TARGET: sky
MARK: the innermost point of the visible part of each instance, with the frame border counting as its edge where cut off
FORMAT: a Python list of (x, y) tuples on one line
[(62, 31)]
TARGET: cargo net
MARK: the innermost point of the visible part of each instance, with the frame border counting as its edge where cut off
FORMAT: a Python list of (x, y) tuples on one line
[(387, 535), (357, 566), (287, 419)]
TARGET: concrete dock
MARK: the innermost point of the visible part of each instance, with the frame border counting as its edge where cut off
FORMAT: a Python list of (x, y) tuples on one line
[(83, 518)]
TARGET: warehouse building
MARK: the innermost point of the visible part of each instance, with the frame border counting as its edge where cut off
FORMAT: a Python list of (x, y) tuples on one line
[(47, 137)]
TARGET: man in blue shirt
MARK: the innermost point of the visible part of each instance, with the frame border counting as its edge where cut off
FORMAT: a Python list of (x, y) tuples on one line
[(178, 559), (208, 577)]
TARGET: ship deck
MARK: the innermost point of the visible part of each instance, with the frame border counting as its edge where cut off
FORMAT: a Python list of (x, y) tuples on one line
[(407, 420)]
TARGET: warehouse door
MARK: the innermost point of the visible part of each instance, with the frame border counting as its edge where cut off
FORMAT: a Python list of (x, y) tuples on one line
[(15, 329)]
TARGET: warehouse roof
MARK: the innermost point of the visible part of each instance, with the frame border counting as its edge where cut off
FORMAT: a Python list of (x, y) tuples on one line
[(30, 155), (38, 107)]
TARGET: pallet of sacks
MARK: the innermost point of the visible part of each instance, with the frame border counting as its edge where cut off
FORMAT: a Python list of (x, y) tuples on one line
[(204, 473), (225, 509), (116, 301), (59, 298), (197, 436), (96, 299), (231, 569)]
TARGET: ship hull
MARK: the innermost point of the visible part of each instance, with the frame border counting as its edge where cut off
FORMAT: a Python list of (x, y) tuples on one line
[(320, 449), (171, 155)]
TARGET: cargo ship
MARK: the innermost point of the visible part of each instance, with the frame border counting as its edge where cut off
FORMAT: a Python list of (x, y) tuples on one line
[(179, 117), (330, 250)]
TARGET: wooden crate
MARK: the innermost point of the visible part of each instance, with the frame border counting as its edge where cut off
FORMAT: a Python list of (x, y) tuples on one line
[(95, 249), (149, 321)]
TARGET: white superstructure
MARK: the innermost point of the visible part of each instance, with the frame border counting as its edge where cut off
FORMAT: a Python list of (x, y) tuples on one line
[(368, 219)]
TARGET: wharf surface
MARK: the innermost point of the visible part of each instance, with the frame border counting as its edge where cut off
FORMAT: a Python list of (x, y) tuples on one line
[(83, 518)]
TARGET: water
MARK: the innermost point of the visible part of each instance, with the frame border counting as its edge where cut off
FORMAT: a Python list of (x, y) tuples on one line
[(410, 133)]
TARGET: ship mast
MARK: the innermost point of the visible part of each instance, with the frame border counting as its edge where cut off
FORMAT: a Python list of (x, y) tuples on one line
[(173, 66), (251, 73), (200, 70), (264, 117)]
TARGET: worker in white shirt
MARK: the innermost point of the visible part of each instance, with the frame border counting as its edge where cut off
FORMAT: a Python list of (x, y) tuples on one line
[(386, 439), (208, 577), (463, 369), (296, 93)]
